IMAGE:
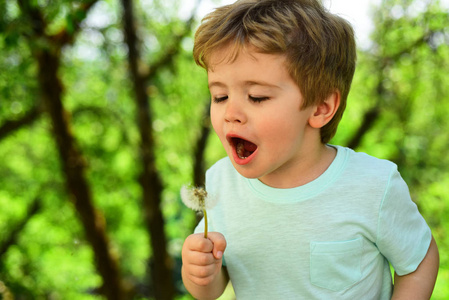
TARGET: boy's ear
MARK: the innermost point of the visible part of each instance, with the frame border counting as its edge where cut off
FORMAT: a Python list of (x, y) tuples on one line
[(325, 111)]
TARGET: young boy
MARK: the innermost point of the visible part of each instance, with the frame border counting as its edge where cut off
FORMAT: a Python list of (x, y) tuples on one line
[(297, 218)]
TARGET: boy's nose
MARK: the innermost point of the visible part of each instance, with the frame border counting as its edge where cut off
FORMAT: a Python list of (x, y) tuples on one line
[(234, 112)]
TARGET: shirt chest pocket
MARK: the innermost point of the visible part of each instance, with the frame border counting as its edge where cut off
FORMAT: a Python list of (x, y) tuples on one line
[(336, 265)]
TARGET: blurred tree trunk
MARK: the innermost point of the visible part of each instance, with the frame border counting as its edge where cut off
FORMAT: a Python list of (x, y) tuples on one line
[(74, 168), (5, 293), (149, 179), (151, 184), (47, 50), (199, 167)]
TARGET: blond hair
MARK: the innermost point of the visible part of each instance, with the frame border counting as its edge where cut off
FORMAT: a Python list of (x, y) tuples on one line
[(319, 46)]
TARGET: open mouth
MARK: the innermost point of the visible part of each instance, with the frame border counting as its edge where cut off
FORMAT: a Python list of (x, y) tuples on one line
[(243, 148)]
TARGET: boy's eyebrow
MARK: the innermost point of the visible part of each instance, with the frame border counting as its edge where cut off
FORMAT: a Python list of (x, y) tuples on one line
[(246, 83), (217, 84), (262, 83)]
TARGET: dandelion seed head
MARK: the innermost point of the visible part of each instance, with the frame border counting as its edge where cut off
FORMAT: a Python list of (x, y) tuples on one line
[(196, 198)]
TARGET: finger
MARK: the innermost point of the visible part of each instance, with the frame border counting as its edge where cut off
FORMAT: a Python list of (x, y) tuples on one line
[(219, 244), (199, 258), (197, 242), (201, 271)]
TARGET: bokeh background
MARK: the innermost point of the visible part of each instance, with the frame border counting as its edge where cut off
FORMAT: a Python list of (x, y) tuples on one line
[(104, 116)]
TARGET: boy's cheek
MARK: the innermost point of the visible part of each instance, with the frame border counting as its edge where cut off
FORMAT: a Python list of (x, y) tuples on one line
[(215, 122)]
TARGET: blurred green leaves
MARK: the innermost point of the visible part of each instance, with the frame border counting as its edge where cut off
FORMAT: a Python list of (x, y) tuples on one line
[(403, 75)]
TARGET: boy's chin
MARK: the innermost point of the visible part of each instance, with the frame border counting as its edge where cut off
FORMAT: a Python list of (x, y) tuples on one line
[(245, 170)]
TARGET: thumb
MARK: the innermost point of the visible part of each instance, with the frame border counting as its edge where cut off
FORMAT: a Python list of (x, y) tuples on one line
[(219, 242)]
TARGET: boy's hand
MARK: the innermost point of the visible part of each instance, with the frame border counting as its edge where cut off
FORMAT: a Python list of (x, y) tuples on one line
[(202, 258)]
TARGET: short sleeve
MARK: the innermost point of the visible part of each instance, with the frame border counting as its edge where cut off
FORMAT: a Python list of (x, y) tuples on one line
[(403, 235)]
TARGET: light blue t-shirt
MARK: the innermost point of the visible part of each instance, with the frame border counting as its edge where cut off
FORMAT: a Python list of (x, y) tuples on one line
[(332, 238)]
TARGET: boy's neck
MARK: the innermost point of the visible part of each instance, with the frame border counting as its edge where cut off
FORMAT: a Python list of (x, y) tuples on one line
[(303, 171)]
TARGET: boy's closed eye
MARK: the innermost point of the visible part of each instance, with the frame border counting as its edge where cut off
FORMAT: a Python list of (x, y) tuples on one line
[(219, 99), (258, 98)]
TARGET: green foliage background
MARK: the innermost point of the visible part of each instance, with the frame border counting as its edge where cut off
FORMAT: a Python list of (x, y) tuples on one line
[(401, 78)]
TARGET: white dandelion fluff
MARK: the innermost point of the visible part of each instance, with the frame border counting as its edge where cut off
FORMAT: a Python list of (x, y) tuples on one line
[(196, 198)]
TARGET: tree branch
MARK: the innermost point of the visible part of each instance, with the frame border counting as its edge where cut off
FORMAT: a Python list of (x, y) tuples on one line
[(371, 116), (38, 24), (423, 40), (13, 235), (67, 35), (10, 126), (174, 49), (369, 119)]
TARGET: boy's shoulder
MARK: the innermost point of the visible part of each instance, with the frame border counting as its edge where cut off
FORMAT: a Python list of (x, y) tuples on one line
[(366, 160), (361, 164)]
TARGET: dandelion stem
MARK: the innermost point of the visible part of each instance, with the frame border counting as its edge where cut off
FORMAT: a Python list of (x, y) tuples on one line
[(205, 223)]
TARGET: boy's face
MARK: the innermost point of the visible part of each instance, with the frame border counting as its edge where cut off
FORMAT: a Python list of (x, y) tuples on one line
[(256, 114)]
